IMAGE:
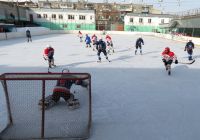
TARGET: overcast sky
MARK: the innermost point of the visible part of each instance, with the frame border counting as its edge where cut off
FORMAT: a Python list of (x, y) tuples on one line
[(164, 5)]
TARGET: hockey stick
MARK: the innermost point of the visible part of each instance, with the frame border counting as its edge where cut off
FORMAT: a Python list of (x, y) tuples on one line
[(189, 63), (108, 60), (49, 70)]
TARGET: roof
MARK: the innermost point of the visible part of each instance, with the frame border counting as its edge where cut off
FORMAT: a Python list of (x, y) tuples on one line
[(151, 15), (61, 10)]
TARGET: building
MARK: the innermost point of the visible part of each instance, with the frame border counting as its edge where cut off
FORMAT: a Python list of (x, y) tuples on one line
[(81, 15), (108, 16), (63, 19), (146, 22)]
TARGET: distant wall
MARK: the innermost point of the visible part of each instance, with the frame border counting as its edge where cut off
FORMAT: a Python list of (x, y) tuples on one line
[(21, 32), (179, 38), (36, 31)]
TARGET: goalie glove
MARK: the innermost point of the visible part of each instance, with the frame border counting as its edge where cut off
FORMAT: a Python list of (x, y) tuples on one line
[(176, 61)]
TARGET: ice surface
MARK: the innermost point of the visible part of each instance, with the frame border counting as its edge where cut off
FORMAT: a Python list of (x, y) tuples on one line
[(132, 97)]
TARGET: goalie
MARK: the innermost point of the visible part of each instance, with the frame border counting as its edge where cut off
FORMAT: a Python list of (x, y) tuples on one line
[(62, 89)]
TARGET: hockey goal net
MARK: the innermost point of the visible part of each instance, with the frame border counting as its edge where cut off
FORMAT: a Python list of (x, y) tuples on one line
[(21, 117)]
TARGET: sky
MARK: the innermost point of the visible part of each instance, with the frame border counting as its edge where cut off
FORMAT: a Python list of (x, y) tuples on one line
[(133, 98)]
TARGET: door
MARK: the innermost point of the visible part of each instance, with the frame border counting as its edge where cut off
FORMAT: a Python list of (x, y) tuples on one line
[(31, 18)]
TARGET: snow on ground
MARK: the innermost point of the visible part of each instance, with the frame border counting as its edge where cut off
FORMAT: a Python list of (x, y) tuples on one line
[(132, 97)]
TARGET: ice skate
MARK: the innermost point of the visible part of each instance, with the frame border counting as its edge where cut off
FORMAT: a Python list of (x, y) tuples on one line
[(73, 104)]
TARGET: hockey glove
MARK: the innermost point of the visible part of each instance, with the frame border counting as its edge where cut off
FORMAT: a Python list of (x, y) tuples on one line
[(164, 60), (176, 61)]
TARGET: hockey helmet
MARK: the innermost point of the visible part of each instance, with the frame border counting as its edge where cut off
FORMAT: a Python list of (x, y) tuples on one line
[(167, 49), (48, 46)]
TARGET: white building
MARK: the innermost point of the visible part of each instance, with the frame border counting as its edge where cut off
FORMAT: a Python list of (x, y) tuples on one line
[(66, 19), (145, 22)]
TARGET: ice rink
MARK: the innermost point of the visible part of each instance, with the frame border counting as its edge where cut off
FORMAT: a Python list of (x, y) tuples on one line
[(133, 98)]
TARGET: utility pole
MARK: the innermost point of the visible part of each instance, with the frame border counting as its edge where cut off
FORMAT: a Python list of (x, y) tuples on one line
[(18, 14)]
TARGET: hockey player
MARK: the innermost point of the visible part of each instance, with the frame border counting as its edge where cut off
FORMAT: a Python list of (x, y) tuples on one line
[(80, 35), (138, 44), (62, 89), (88, 41), (109, 44), (189, 48), (168, 57), (48, 55), (28, 35), (101, 47), (94, 40)]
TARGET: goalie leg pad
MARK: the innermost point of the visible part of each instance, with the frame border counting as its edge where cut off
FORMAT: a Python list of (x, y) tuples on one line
[(48, 102), (73, 103)]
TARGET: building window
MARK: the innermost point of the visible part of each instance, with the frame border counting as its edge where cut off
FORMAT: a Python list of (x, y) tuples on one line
[(45, 16), (131, 20), (162, 21), (140, 20), (78, 26), (53, 16), (70, 16), (81, 17), (91, 17), (38, 16), (64, 25), (149, 20), (60, 16)]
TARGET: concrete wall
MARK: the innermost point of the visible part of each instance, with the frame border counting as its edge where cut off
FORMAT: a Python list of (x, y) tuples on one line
[(6, 9)]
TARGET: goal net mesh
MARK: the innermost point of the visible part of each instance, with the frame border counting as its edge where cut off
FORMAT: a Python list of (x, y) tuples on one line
[(22, 118)]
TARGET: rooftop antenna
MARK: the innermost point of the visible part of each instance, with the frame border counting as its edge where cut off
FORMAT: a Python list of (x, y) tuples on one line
[(179, 3)]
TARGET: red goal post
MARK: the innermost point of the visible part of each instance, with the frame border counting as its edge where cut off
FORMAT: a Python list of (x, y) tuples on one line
[(25, 119)]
